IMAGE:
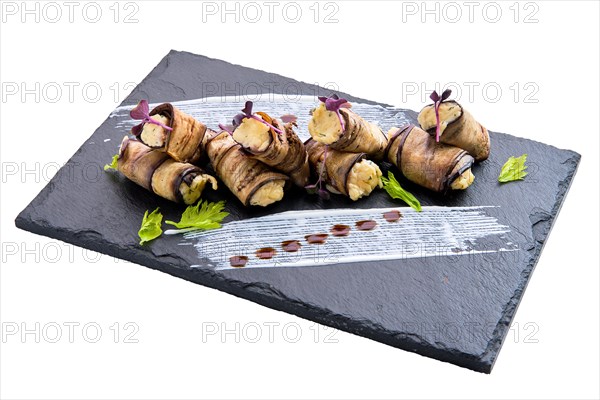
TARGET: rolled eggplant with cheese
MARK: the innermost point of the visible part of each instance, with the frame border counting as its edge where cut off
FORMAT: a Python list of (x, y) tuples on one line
[(274, 143), (334, 124), (251, 181), (350, 174), (450, 123), (166, 128), (155, 171), (433, 165)]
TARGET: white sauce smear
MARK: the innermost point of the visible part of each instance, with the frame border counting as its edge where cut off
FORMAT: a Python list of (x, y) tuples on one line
[(434, 232), (213, 111)]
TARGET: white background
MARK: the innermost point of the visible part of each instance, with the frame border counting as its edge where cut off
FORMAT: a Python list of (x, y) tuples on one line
[(373, 51)]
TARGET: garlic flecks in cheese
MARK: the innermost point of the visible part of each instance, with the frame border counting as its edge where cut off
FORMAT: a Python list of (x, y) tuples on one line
[(268, 193), (154, 135), (364, 177), (192, 192), (449, 112), (463, 181), (325, 126), (252, 135)]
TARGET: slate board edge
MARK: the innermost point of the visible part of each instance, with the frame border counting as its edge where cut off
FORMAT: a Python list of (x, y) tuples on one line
[(510, 309), (272, 299), (269, 298), (134, 97), (257, 293)]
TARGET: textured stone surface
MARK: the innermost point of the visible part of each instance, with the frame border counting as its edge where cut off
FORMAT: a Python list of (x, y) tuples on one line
[(454, 309)]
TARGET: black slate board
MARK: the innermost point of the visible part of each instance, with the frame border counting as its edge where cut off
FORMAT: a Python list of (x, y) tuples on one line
[(457, 311)]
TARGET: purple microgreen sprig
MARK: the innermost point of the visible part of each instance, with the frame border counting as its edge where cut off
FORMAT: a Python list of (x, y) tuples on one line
[(437, 101), (334, 103), (314, 189), (227, 128), (247, 113), (317, 188), (142, 112)]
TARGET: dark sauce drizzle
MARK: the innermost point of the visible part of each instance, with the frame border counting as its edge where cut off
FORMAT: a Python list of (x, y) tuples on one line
[(317, 238), (392, 216), (291, 246), (266, 253), (366, 225), (340, 230), (238, 261)]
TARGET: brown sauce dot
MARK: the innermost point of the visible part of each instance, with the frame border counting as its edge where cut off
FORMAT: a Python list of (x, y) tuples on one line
[(238, 261), (340, 230), (392, 216), (265, 253), (366, 225), (318, 238), (291, 246)]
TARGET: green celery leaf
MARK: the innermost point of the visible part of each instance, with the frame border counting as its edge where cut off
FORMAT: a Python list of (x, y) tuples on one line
[(113, 164), (202, 216), (513, 169), (391, 185), (150, 228)]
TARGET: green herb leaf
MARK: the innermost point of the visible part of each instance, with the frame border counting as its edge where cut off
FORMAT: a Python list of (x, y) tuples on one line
[(391, 185), (513, 169), (113, 164), (202, 216), (150, 228)]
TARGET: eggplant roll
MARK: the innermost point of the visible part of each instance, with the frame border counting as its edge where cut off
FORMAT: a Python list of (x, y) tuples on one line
[(283, 152), (457, 128), (350, 174), (157, 172), (422, 160), (251, 181), (358, 136), (184, 143)]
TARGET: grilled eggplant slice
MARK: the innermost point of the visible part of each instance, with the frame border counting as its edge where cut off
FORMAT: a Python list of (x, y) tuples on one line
[(358, 135), (458, 128), (184, 143), (251, 181), (433, 165), (283, 152), (158, 173), (350, 174)]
